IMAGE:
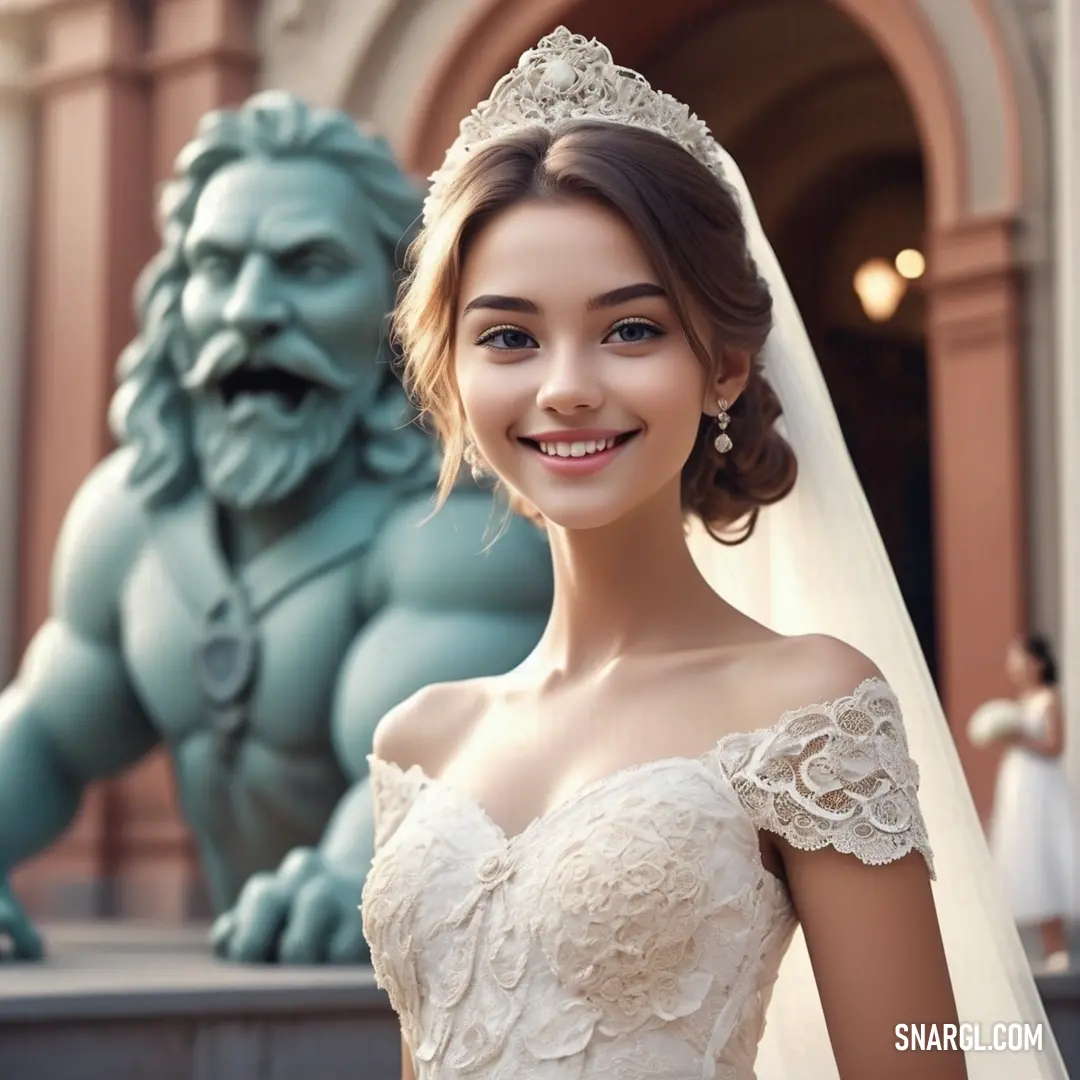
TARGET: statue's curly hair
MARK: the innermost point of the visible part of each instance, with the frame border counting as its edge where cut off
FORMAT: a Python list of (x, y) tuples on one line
[(149, 410)]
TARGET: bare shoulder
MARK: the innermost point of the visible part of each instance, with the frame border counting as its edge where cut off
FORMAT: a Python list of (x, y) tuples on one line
[(427, 727), (819, 669), (791, 673)]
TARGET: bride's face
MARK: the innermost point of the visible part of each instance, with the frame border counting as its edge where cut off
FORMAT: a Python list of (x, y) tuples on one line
[(578, 384)]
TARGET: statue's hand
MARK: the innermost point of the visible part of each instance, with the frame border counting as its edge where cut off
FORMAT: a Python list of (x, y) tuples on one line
[(15, 925), (302, 914)]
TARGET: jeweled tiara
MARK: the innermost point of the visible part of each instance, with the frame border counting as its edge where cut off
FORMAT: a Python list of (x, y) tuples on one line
[(568, 76)]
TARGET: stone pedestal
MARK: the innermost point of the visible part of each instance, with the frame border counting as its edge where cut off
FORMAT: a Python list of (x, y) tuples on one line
[(120, 1001), (1061, 998)]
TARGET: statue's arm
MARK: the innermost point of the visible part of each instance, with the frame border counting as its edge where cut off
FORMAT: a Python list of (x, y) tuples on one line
[(445, 610), (70, 715)]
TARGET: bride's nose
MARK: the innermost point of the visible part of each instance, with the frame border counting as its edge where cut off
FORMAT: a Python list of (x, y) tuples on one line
[(571, 383)]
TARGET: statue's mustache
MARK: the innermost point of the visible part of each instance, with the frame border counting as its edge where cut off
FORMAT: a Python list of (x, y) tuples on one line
[(290, 352)]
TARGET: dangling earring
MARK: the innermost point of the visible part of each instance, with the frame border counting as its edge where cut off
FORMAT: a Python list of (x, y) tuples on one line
[(723, 442), (472, 458)]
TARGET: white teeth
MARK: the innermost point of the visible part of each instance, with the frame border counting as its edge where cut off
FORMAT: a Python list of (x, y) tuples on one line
[(576, 449)]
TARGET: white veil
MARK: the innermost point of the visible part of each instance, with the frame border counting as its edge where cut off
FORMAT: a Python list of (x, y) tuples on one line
[(816, 564)]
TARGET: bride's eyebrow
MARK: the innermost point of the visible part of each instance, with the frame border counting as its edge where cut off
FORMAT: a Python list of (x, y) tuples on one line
[(492, 302), (624, 294)]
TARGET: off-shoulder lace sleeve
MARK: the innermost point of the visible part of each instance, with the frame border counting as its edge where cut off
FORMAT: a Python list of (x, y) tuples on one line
[(393, 791), (837, 775)]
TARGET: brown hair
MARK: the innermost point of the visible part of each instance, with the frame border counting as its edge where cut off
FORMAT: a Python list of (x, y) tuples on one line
[(690, 228)]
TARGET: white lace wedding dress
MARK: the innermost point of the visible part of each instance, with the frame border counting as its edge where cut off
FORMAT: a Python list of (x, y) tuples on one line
[(632, 933)]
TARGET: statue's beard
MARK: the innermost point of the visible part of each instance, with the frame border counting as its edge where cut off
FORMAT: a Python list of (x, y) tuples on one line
[(254, 462), (256, 449)]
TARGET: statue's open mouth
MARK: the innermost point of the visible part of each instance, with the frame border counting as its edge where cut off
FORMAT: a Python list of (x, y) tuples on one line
[(290, 389)]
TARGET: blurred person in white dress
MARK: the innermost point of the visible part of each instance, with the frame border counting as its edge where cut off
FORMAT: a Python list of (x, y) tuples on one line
[(1032, 832)]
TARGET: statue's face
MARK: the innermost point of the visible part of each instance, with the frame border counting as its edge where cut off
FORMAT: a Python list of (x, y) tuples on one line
[(284, 310)]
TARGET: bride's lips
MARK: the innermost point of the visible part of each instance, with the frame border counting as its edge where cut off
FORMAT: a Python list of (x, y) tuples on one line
[(582, 464)]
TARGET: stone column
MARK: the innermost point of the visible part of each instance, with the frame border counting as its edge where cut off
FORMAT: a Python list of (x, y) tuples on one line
[(93, 231), (16, 169), (1066, 143), (980, 512), (202, 57)]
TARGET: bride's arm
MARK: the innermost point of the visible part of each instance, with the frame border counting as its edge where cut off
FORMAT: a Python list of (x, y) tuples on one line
[(874, 943), (406, 1061), (862, 893)]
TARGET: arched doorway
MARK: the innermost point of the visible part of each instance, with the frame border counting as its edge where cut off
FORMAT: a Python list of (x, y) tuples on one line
[(954, 71)]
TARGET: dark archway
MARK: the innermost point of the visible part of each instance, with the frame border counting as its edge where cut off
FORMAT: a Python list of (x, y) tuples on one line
[(878, 373)]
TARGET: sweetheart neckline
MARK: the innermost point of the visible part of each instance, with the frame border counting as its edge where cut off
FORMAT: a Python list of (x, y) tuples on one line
[(563, 805), (510, 844)]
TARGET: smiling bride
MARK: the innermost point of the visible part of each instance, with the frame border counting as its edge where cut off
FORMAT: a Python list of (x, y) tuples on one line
[(698, 788)]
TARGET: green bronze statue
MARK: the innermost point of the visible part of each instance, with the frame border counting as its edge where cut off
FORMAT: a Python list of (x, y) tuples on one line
[(244, 581)]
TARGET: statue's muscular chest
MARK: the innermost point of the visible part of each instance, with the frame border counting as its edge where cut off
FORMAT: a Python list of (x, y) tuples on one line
[(252, 657), (268, 676)]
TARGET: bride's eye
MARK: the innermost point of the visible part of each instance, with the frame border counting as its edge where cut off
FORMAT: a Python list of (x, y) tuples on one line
[(633, 332), (506, 339)]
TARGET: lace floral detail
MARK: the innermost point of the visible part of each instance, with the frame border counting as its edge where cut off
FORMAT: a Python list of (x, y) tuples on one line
[(388, 901), (836, 775), (393, 791), (462, 929), (388, 907), (494, 869), (630, 905)]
